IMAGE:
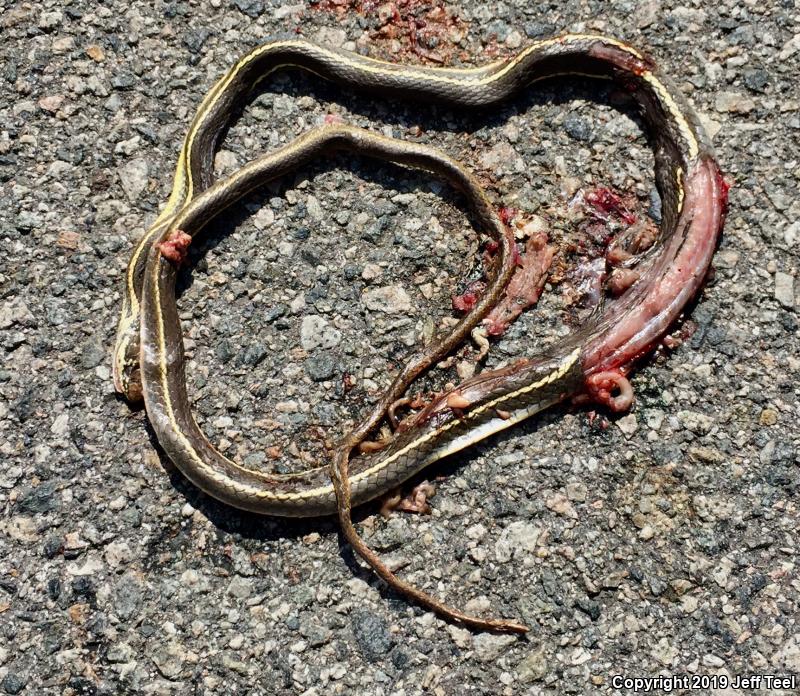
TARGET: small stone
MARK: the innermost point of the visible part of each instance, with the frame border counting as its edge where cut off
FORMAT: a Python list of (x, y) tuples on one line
[(196, 39), (52, 103), (313, 208), (727, 258), (519, 537), (698, 423), (264, 218), (499, 157), (576, 491), (371, 271), (316, 633), (664, 652), (53, 546), (16, 312), (123, 80), (561, 505), (476, 532), (128, 147), (514, 39), (13, 683), (96, 53), (254, 354), (784, 289), (240, 587), (118, 503), (68, 240), (252, 8), (119, 653), (578, 128), (533, 667), (133, 175), (628, 425), (63, 44), (128, 596), (791, 47), (580, 656), (225, 161), (488, 647), (710, 660), (647, 13), (462, 637), (321, 367), (756, 80), (331, 36), (654, 418), (287, 10), (224, 350), (372, 635), (731, 102), (391, 299), (118, 553), (169, 660), (768, 417), (93, 354), (60, 425), (788, 657), (707, 454), (316, 332), (50, 20), (792, 233), (43, 498)]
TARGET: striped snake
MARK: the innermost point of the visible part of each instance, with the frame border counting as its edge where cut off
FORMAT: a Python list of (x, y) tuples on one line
[(149, 358)]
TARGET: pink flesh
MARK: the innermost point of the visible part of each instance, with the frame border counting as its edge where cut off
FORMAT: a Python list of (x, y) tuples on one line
[(601, 385), (175, 247), (639, 320), (525, 286), (621, 279), (469, 298)]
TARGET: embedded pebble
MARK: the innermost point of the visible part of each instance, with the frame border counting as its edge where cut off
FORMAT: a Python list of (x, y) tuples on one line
[(391, 299), (316, 332), (784, 289), (488, 647)]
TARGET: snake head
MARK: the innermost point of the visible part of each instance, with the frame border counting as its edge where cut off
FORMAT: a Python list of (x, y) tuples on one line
[(126, 369)]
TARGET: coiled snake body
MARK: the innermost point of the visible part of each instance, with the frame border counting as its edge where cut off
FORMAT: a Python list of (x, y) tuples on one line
[(148, 358)]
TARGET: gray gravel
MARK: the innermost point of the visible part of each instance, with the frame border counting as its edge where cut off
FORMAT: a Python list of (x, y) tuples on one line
[(663, 542)]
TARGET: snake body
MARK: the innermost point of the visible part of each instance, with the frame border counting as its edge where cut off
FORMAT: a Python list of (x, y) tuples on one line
[(148, 355)]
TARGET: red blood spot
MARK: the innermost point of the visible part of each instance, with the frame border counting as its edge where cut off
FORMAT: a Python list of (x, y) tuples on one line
[(507, 215), (175, 247), (724, 188), (469, 298), (333, 119), (606, 202)]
